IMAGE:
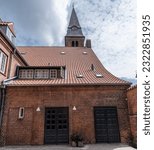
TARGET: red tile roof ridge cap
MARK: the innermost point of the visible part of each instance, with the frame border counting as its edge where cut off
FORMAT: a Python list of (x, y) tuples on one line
[(33, 46), (39, 46), (69, 84)]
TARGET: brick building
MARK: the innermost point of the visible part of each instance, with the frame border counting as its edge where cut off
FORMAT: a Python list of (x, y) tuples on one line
[(132, 109), (10, 58), (57, 91)]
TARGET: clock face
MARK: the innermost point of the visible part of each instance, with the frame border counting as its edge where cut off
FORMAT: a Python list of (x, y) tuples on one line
[(74, 28)]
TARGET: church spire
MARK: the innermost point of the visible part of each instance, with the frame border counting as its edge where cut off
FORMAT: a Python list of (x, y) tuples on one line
[(74, 36)]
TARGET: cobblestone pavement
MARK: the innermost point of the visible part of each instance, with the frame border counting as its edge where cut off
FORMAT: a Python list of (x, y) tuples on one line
[(67, 147)]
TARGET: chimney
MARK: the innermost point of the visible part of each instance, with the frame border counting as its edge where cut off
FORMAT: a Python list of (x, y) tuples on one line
[(88, 43), (92, 67)]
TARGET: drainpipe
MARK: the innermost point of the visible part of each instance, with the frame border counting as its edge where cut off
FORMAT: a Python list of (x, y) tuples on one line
[(3, 91), (2, 103)]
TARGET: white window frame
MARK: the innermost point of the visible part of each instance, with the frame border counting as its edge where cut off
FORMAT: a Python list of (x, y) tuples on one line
[(41, 74), (53, 73), (26, 74), (62, 72), (3, 61), (21, 113)]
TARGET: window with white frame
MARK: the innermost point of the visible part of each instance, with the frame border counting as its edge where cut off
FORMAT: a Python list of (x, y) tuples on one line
[(62, 72), (21, 113), (3, 59), (42, 73), (10, 35), (53, 73), (26, 73)]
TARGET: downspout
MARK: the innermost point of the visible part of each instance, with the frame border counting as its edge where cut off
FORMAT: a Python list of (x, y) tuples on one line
[(9, 68), (3, 87), (2, 135)]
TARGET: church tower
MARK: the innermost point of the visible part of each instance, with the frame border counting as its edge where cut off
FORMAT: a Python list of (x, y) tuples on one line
[(74, 36)]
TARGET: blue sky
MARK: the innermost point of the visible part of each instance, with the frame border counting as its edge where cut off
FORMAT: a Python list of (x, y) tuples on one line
[(110, 24)]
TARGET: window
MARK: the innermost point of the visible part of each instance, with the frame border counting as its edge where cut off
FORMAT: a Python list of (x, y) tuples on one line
[(75, 43), (26, 73), (3, 59), (62, 72), (10, 35), (21, 113), (53, 73), (42, 73)]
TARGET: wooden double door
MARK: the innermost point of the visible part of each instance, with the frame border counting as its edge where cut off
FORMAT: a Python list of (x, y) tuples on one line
[(56, 125), (106, 125)]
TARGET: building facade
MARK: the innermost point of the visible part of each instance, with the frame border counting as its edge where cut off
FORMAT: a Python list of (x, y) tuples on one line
[(58, 91), (132, 109), (10, 58)]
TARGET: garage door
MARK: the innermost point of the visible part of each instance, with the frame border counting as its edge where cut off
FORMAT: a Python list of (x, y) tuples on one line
[(56, 125), (106, 124)]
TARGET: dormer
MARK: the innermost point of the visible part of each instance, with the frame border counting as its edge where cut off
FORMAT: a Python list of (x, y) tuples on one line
[(8, 29)]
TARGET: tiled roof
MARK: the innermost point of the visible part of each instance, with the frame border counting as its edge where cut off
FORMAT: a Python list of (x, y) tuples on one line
[(78, 61)]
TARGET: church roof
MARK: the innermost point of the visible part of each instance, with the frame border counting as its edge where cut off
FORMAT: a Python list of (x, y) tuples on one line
[(82, 66), (74, 28)]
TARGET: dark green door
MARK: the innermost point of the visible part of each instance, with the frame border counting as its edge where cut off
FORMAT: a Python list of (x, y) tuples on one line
[(56, 125), (106, 125)]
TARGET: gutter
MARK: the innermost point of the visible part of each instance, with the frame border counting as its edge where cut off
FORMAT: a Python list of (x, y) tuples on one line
[(6, 82)]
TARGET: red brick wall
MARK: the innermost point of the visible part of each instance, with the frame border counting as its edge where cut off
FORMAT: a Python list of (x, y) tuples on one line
[(132, 107), (68, 41), (30, 130)]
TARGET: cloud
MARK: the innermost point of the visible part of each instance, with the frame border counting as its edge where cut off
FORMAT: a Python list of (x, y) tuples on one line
[(111, 24), (37, 22), (112, 27)]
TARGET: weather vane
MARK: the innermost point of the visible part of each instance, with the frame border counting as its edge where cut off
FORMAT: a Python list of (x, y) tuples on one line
[(73, 3)]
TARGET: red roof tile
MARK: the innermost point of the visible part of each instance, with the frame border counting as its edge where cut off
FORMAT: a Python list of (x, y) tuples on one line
[(76, 62)]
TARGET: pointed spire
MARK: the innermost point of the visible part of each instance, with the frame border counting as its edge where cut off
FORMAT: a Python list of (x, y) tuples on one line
[(74, 28), (74, 19)]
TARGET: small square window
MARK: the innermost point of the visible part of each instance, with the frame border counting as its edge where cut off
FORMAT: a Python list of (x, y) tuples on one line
[(53, 73)]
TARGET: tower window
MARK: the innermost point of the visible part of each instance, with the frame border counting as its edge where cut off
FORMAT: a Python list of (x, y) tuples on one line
[(75, 44)]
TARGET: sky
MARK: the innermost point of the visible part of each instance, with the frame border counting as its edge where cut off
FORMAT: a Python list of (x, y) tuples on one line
[(110, 24)]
